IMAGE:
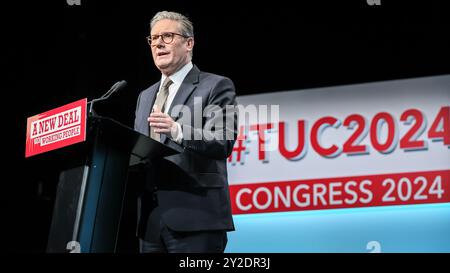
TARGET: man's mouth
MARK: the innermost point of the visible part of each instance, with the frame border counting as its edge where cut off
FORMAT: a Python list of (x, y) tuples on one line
[(162, 53)]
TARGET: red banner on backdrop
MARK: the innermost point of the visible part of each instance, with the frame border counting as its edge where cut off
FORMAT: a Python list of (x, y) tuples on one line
[(342, 192), (57, 128)]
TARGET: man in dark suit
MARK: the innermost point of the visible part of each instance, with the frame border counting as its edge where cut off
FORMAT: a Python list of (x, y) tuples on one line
[(185, 204)]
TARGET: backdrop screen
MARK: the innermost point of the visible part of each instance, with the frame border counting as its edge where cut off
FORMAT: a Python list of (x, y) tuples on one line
[(357, 168)]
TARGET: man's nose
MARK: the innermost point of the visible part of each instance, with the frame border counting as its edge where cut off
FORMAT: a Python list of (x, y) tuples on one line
[(159, 43)]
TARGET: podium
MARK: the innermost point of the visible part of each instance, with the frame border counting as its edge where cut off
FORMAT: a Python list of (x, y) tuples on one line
[(92, 183)]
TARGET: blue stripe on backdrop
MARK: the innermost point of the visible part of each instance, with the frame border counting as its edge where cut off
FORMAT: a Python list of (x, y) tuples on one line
[(411, 228)]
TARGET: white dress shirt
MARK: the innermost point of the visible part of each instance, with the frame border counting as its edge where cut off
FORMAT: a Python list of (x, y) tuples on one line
[(177, 79)]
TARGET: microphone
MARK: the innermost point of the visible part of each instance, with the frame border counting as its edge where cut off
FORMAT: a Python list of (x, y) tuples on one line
[(116, 87)]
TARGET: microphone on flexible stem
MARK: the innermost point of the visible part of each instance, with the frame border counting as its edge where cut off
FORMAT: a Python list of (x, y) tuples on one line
[(116, 87)]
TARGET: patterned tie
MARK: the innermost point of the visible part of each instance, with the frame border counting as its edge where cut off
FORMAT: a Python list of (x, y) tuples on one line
[(160, 102)]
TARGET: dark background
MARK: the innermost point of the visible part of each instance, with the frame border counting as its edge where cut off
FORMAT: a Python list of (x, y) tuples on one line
[(56, 54)]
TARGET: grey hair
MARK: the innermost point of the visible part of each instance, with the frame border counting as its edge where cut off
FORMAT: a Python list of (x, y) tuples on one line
[(187, 28)]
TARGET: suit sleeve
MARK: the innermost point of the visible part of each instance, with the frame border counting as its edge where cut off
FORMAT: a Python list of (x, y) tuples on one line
[(136, 118), (216, 139)]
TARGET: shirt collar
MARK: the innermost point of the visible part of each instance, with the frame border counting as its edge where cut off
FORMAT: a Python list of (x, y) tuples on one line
[(178, 76)]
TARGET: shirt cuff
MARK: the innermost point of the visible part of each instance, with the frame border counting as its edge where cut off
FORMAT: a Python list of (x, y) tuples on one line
[(177, 133)]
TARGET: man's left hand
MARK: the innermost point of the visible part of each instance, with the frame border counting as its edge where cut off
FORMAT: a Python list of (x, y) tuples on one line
[(162, 123)]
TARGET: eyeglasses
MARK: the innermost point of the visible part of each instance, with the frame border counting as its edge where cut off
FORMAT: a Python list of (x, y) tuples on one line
[(167, 38)]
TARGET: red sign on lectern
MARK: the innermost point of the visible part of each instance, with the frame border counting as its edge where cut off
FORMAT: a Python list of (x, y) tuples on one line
[(57, 128)]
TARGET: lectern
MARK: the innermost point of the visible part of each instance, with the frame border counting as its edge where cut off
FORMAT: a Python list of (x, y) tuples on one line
[(91, 188)]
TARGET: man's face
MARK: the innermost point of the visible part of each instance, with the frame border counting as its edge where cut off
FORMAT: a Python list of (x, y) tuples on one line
[(170, 57)]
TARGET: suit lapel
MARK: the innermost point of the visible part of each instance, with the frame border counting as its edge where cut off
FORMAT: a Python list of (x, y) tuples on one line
[(184, 92), (150, 99), (147, 105), (187, 87)]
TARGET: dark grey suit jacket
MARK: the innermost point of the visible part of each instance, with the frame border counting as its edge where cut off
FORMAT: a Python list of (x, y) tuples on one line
[(190, 188)]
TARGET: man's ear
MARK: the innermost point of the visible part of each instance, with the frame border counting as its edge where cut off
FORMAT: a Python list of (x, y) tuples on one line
[(190, 43)]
